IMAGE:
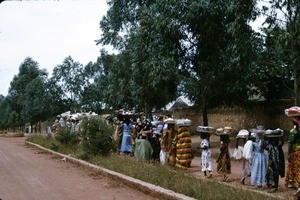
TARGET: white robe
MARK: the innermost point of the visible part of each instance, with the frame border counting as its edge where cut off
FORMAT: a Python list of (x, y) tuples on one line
[(206, 156)]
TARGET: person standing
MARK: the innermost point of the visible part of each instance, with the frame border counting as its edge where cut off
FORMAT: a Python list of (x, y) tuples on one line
[(247, 158), (126, 145), (276, 163), (292, 179), (56, 127), (205, 150), (259, 161), (168, 145), (223, 160)]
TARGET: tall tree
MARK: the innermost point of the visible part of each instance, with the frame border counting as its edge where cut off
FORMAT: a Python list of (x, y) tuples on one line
[(69, 79), (5, 111), (283, 29), (28, 71), (200, 39), (36, 107)]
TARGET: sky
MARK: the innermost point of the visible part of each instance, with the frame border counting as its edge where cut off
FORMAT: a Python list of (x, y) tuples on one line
[(47, 31)]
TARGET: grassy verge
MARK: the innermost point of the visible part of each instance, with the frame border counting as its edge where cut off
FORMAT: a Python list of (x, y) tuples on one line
[(156, 174)]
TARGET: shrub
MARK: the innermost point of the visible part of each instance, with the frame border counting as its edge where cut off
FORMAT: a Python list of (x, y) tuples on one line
[(97, 136), (54, 146), (65, 136)]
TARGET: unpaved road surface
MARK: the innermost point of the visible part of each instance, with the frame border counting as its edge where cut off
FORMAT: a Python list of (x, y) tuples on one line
[(236, 171), (29, 174)]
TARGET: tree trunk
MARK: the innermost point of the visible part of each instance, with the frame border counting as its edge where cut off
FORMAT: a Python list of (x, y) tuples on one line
[(203, 97)]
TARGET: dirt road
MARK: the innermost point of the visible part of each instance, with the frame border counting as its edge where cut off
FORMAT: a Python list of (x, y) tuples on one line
[(236, 171), (27, 173)]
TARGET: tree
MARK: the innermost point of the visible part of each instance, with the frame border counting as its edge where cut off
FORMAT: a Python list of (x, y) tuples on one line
[(200, 39), (69, 81), (5, 111), (28, 71), (283, 28), (36, 100)]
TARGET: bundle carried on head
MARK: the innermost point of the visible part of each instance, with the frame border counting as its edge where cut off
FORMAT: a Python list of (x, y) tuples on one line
[(224, 131), (274, 133), (170, 121), (183, 122), (292, 111), (205, 129)]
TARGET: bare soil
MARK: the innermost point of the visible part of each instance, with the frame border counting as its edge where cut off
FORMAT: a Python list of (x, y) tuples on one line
[(236, 171), (29, 174)]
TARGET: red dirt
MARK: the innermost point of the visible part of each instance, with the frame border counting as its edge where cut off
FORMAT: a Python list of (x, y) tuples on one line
[(27, 173), (236, 171)]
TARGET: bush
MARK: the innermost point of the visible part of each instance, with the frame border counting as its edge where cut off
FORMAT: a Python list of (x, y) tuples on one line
[(54, 146), (97, 136), (65, 136)]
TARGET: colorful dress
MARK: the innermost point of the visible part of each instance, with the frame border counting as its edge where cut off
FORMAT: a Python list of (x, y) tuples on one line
[(168, 147), (183, 148), (259, 165), (224, 164), (206, 156), (276, 164), (293, 169)]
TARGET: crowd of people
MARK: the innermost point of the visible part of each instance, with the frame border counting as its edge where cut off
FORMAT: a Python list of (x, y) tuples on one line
[(261, 153), (168, 141), (157, 139)]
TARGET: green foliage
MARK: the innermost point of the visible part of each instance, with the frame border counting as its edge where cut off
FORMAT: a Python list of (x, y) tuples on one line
[(26, 95), (97, 136), (69, 80), (65, 136), (281, 56), (205, 44), (14, 120), (5, 111), (54, 146)]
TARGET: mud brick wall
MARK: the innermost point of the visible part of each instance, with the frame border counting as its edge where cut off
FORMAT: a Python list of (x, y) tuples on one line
[(271, 117)]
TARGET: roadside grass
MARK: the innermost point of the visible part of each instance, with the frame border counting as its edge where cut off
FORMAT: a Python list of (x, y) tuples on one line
[(154, 173)]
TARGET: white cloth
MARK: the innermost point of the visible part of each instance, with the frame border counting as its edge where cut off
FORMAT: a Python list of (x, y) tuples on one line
[(238, 153), (248, 150), (162, 156), (206, 156)]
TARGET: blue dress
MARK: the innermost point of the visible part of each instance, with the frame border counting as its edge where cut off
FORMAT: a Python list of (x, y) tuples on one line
[(126, 145), (259, 166)]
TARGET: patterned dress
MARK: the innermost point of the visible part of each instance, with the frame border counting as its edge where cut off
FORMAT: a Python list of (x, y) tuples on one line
[(224, 164), (293, 169), (183, 148), (206, 156), (276, 165), (259, 165)]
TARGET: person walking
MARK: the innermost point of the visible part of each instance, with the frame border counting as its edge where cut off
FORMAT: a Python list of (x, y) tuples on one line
[(292, 179), (207, 167), (276, 162), (259, 161), (223, 160), (247, 157)]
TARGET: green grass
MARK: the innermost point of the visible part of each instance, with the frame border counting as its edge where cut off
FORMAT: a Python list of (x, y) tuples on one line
[(163, 176)]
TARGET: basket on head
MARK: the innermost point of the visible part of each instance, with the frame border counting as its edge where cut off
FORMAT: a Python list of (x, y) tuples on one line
[(183, 122), (205, 129), (224, 131)]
